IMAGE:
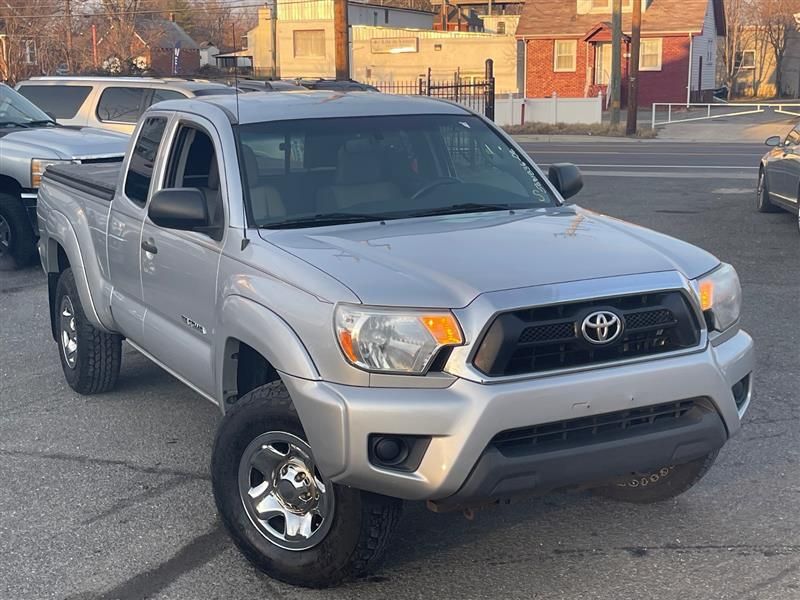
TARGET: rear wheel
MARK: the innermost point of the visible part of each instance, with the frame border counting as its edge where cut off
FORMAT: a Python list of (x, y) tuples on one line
[(659, 485), (288, 519), (763, 203), (90, 358), (17, 239)]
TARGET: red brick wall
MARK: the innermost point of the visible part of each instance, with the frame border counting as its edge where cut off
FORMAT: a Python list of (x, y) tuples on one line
[(666, 85)]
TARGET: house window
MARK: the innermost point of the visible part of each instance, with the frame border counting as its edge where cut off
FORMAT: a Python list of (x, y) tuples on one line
[(746, 60), (565, 55), (608, 5), (29, 52), (244, 42), (650, 59), (374, 19), (309, 43), (501, 27)]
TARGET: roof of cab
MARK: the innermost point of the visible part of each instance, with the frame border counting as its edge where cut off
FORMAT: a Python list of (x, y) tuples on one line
[(259, 107)]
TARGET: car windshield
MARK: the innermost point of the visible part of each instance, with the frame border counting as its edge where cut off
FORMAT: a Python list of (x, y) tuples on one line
[(17, 110), (315, 172)]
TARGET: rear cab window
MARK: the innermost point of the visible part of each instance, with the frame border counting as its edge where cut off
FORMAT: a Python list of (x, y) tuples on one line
[(143, 156), (59, 101), (121, 104)]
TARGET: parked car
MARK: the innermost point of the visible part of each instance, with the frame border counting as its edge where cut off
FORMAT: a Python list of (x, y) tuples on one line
[(257, 85), (113, 103), (389, 300), (337, 85), (30, 141), (779, 175)]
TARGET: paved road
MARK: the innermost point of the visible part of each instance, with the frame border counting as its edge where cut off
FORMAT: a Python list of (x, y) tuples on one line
[(108, 498)]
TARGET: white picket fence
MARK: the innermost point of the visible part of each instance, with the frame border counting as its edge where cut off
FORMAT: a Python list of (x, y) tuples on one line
[(516, 111)]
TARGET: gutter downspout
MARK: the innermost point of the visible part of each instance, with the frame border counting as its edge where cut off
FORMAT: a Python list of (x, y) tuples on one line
[(691, 68)]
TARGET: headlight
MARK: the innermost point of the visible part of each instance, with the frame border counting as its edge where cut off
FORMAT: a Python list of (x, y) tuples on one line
[(38, 166), (394, 341), (720, 297)]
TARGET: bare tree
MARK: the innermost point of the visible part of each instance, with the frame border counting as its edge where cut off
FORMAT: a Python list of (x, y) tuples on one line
[(737, 13), (775, 19)]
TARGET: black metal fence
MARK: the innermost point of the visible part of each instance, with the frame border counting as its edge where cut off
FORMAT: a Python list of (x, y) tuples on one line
[(477, 95)]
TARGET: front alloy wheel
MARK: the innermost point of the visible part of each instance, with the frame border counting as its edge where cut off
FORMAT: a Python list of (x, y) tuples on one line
[(284, 495), (69, 332), (5, 237)]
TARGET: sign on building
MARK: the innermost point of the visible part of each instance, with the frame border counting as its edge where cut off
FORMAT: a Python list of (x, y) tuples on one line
[(394, 45)]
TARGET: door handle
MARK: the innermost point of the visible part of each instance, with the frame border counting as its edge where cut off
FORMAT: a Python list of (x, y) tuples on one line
[(149, 246)]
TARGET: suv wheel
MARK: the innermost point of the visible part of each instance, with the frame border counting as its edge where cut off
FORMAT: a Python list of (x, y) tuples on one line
[(763, 203), (659, 485), (17, 241), (90, 358), (287, 518)]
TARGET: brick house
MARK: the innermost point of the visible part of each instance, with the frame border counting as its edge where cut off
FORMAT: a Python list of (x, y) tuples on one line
[(567, 45)]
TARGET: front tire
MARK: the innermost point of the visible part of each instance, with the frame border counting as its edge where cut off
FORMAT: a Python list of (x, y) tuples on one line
[(659, 485), (283, 514), (90, 358), (17, 239), (763, 203)]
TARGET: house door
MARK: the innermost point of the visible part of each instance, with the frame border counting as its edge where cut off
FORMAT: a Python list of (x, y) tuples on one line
[(602, 64)]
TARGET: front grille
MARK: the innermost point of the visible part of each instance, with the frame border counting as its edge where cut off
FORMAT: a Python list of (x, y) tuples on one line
[(595, 429), (549, 338), (104, 160)]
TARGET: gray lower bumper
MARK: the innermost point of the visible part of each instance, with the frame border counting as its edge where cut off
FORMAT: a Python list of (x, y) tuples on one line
[(462, 419)]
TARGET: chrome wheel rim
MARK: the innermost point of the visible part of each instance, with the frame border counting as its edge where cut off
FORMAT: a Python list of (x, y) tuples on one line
[(69, 332), (5, 236), (760, 190), (283, 493)]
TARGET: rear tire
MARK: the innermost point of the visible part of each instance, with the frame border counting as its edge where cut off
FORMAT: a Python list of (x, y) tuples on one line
[(359, 524), (763, 203), (90, 358), (659, 485), (17, 238)]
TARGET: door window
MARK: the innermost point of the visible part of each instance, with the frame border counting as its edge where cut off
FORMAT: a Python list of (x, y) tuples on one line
[(193, 164), (121, 104), (163, 95), (143, 157), (60, 101), (602, 64)]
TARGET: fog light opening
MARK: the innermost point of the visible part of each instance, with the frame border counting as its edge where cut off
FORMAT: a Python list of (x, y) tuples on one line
[(741, 390), (390, 451)]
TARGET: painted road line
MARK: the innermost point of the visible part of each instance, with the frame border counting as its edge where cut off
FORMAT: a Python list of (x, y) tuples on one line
[(663, 175), (706, 167)]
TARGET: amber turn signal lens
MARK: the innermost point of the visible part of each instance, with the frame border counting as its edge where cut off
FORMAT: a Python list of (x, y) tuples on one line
[(346, 342), (443, 328), (706, 295)]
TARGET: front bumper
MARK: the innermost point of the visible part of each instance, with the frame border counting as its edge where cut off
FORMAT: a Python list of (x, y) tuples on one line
[(463, 418)]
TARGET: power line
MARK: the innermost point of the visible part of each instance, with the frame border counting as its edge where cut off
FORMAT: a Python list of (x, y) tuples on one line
[(154, 12)]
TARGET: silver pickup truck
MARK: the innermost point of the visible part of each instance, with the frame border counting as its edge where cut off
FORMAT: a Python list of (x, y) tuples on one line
[(389, 301), (30, 141)]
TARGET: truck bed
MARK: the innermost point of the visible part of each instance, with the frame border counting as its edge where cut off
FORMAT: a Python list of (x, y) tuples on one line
[(96, 179)]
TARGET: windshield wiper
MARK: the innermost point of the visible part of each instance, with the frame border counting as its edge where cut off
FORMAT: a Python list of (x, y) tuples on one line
[(12, 124), (40, 122), (322, 220), (469, 207)]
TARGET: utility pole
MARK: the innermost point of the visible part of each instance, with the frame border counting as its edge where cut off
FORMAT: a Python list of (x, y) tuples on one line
[(94, 45), (68, 15), (633, 68), (273, 13), (615, 84), (342, 39)]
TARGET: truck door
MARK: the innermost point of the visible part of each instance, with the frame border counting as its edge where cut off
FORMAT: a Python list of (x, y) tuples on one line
[(125, 228), (179, 268)]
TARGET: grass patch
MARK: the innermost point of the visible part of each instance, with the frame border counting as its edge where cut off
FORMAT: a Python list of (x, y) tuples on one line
[(602, 129)]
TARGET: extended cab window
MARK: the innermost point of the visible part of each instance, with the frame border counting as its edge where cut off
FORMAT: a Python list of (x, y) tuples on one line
[(140, 170), (299, 173), (60, 101), (121, 104), (193, 164)]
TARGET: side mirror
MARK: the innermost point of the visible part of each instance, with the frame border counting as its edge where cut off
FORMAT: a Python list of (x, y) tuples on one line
[(184, 209), (566, 178), (774, 141)]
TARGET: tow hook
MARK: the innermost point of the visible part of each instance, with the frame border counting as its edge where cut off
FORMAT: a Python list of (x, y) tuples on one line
[(469, 514)]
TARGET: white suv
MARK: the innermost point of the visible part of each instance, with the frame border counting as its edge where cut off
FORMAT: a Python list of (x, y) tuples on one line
[(113, 103)]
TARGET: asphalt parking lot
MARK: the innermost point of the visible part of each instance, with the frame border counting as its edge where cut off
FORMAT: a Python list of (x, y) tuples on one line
[(109, 497)]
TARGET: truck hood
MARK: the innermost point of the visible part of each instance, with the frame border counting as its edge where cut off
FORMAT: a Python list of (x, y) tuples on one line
[(448, 261), (65, 143)]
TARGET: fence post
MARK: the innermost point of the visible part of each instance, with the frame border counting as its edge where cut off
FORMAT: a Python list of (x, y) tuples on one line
[(600, 97), (419, 90), (488, 108), (555, 108), (428, 88), (654, 117)]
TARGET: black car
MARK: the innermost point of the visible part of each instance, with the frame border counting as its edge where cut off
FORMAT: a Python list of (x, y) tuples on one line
[(779, 175), (337, 85)]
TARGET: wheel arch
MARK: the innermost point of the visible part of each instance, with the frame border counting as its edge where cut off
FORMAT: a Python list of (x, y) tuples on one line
[(257, 348)]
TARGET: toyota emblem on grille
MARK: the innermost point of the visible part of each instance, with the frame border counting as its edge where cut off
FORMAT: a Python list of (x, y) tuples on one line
[(601, 327)]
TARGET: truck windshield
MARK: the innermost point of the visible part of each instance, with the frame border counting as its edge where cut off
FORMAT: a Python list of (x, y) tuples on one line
[(18, 111), (317, 172)]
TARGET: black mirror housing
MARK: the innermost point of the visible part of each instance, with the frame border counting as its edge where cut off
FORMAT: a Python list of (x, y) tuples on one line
[(566, 178), (773, 141), (184, 209)]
